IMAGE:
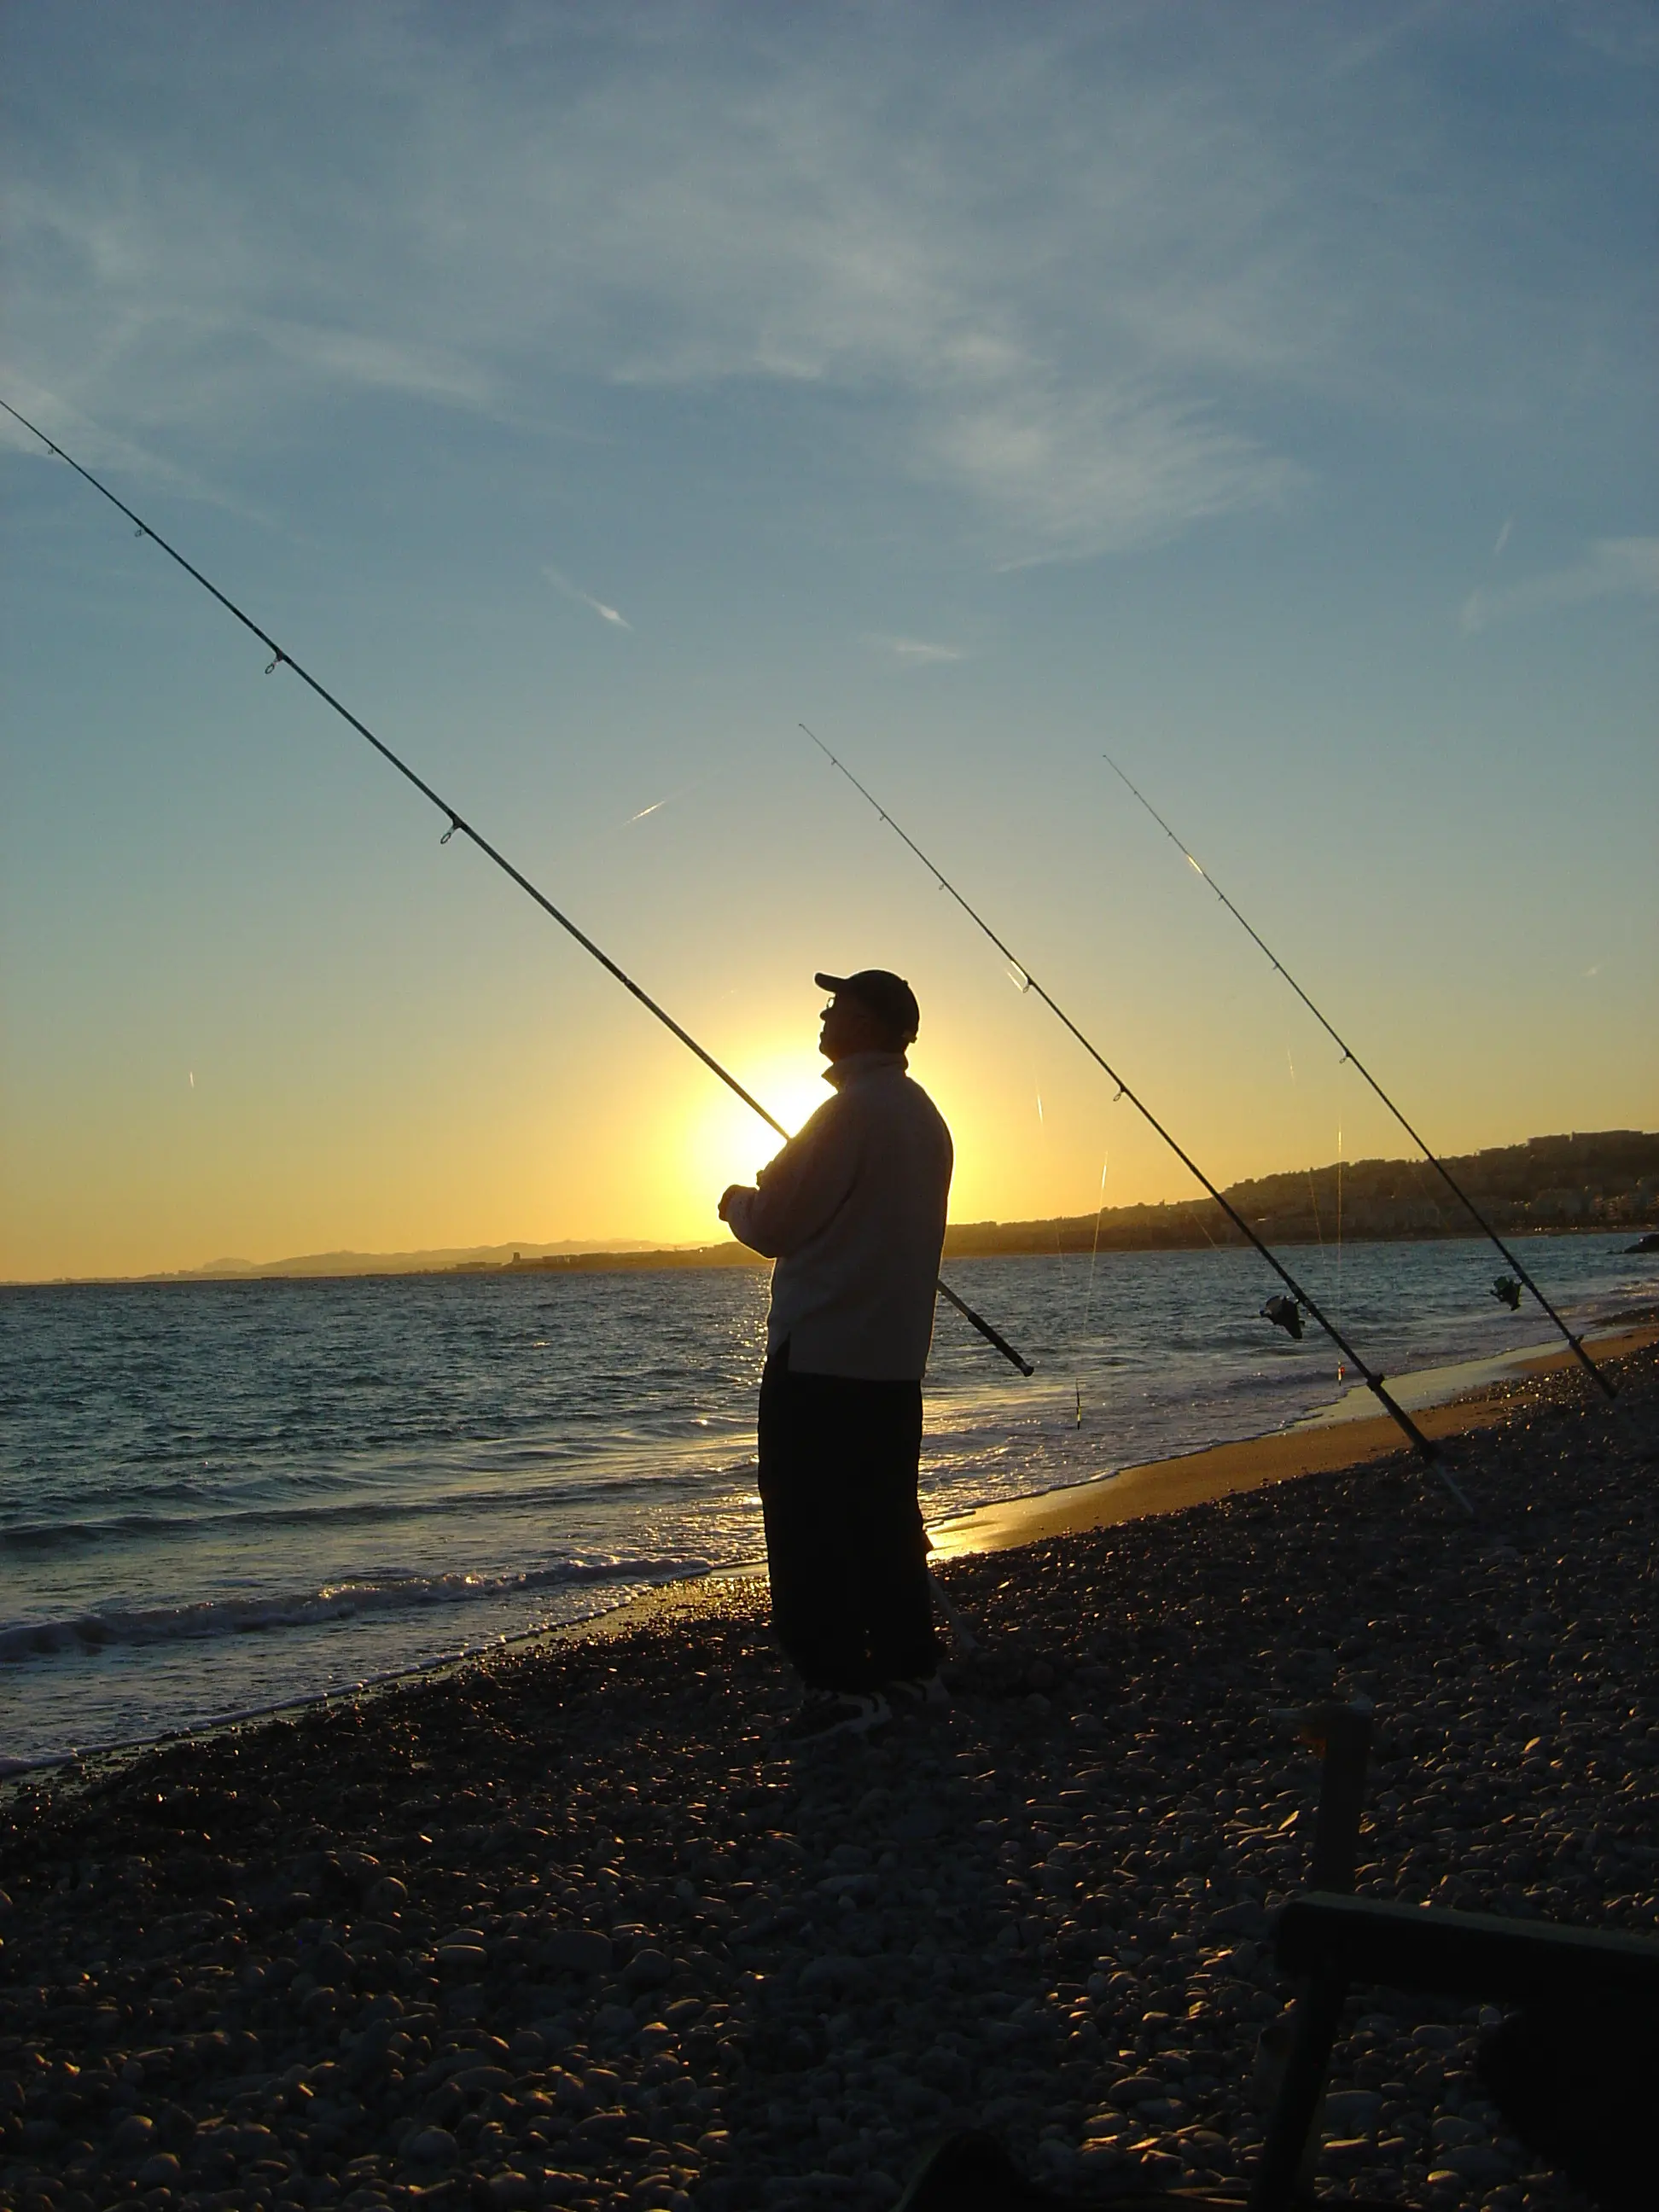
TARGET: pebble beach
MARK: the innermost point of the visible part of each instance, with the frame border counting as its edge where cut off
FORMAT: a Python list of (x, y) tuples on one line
[(563, 1926)]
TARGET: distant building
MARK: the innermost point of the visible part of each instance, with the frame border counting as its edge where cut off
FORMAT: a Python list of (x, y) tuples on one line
[(1561, 1205)]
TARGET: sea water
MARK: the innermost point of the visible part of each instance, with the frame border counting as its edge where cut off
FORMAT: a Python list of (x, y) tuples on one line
[(218, 1497)]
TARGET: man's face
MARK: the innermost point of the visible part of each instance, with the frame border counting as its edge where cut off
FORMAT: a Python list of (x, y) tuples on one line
[(849, 1027)]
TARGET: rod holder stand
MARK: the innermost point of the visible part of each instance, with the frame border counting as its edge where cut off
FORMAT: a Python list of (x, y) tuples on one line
[(1339, 1732)]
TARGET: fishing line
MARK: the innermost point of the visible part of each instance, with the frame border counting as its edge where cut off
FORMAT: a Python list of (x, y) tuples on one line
[(1060, 1271), (1313, 1196), (1060, 1265), (1319, 1226), (1094, 1250), (1576, 1344), (1374, 1381), (1094, 1256), (1312, 1187), (1339, 1225), (1203, 1226), (458, 823)]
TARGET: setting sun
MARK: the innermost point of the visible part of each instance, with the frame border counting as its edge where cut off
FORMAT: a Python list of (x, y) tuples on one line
[(721, 1142)]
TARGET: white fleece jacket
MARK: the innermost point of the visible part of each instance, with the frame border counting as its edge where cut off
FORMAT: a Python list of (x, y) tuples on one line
[(852, 1211)]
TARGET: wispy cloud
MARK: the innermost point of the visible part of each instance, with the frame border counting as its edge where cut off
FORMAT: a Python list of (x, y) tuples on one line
[(97, 445), (1070, 278), (917, 651), (379, 364), (1100, 471), (562, 584), (1613, 567)]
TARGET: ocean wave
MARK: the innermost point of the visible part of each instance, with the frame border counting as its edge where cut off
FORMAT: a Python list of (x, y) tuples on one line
[(200, 1621), (566, 1495)]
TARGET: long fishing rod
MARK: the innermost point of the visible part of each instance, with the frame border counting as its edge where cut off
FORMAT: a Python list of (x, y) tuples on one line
[(280, 659), (1373, 1381), (1348, 1054)]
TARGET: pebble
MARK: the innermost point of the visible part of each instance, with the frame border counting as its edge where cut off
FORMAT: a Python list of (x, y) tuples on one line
[(1353, 2111), (577, 1951), (131, 2136), (648, 1970), (565, 1927)]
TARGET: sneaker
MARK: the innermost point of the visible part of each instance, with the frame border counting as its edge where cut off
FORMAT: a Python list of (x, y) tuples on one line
[(824, 1713), (916, 1690)]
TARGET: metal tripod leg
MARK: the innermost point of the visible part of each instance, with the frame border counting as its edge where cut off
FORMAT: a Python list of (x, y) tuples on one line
[(1296, 2108), (1341, 1735)]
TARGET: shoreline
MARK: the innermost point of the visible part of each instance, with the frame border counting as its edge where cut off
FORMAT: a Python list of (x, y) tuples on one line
[(1329, 1442), (1325, 1442), (563, 1926)]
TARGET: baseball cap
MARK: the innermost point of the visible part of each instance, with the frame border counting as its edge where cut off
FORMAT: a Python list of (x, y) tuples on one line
[(886, 995)]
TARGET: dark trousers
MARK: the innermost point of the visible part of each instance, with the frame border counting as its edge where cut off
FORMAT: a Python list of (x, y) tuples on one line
[(844, 1542)]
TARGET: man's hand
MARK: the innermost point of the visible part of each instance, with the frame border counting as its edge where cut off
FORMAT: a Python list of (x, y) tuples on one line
[(734, 1190)]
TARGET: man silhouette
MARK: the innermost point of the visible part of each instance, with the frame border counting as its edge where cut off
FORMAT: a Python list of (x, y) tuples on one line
[(852, 1211)]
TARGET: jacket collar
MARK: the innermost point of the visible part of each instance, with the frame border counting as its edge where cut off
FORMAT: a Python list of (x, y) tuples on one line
[(858, 1065)]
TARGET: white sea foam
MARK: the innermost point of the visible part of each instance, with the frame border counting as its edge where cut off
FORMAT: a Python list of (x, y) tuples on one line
[(395, 1591)]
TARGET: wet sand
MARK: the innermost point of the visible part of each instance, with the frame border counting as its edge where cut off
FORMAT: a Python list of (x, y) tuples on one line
[(565, 1927)]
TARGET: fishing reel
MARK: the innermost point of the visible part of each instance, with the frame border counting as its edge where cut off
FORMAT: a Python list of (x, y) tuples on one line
[(1283, 1312)]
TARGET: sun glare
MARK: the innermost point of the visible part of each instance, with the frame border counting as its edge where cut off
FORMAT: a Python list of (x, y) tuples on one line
[(722, 1142)]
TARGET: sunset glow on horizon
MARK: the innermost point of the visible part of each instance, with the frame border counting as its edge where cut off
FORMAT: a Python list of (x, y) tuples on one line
[(1264, 401)]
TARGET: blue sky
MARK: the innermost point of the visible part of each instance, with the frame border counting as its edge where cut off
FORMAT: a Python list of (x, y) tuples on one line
[(589, 396)]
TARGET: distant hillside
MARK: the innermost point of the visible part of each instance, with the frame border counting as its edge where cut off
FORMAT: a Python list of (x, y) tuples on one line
[(398, 1263), (1606, 1178)]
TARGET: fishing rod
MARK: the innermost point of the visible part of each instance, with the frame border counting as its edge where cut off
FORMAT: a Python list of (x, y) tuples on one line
[(1373, 1381), (1574, 1343), (280, 659)]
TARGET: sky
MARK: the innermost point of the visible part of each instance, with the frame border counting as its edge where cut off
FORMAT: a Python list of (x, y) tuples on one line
[(590, 397)]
